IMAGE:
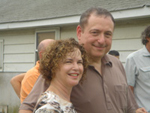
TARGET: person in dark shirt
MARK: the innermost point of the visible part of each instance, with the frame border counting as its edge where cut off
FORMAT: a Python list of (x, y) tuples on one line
[(114, 53)]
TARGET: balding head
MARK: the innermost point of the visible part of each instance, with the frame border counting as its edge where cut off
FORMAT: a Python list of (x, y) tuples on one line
[(43, 45)]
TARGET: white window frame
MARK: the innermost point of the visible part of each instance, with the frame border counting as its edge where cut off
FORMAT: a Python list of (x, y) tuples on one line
[(57, 36), (1, 55)]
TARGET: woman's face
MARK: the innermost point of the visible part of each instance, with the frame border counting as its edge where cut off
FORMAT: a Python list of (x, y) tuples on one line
[(70, 69)]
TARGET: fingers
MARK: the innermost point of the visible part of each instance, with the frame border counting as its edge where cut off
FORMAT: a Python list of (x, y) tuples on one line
[(141, 110)]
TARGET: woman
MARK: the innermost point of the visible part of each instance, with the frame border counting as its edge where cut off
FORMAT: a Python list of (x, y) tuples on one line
[(63, 65)]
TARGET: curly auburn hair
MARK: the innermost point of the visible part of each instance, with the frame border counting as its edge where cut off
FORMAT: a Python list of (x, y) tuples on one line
[(55, 53)]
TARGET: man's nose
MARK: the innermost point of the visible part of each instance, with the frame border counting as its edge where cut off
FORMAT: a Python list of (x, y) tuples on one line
[(101, 38)]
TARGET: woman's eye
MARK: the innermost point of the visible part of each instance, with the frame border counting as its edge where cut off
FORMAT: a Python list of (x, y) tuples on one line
[(80, 62), (68, 61)]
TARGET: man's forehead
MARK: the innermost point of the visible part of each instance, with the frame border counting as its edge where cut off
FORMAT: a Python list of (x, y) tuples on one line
[(100, 17), (100, 20)]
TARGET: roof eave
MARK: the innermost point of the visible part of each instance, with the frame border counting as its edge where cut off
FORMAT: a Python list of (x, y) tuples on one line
[(118, 15)]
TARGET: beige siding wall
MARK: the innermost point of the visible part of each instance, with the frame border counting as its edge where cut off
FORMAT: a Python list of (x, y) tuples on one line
[(127, 39), (68, 32), (19, 48)]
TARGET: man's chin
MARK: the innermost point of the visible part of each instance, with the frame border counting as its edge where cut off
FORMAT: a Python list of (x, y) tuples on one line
[(98, 57), (99, 54)]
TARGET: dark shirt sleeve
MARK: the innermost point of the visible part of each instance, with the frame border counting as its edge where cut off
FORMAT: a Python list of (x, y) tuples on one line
[(30, 101), (132, 105)]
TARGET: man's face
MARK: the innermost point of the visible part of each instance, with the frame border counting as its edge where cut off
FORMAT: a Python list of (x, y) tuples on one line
[(96, 35)]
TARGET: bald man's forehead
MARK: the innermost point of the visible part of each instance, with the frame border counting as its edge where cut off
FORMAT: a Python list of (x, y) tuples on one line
[(47, 41), (44, 44)]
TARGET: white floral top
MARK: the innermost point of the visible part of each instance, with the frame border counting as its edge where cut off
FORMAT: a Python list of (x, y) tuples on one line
[(49, 102)]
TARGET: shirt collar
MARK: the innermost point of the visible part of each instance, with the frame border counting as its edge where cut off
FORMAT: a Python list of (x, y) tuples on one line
[(107, 61), (145, 52)]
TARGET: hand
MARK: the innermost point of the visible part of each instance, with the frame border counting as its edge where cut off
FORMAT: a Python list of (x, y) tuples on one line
[(141, 110)]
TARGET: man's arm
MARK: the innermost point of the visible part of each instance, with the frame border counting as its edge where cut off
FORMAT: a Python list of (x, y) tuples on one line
[(30, 101), (131, 103), (16, 83), (25, 111), (132, 88), (131, 70)]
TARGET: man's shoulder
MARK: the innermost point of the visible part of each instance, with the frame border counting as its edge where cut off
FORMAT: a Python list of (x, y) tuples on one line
[(114, 61), (32, 71), (111, 58), (135, 54), (31, 75)]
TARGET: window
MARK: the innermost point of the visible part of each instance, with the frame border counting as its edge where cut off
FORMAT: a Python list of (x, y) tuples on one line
[(46, 34), (1, 55)]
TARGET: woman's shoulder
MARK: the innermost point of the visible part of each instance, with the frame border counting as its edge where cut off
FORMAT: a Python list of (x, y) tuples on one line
[(49, 101)]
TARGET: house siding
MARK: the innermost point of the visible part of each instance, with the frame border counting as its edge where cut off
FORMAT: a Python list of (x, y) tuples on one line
[(127, 38), (7, 95), (19, 50), (68, 32)]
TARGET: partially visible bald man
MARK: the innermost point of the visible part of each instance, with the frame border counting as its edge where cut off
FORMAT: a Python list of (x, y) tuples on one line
[(28, 80)]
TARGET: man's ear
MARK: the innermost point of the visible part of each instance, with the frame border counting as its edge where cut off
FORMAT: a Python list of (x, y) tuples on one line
[(148, 38), (40, 54), (79, 31)]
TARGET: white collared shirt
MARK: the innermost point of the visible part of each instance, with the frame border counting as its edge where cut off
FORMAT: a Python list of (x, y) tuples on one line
[(137, 69)]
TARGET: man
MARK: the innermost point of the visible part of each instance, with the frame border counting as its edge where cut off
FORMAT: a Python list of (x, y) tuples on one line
[(138, 71), (105, 89), (114, 53), (23, 83)]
